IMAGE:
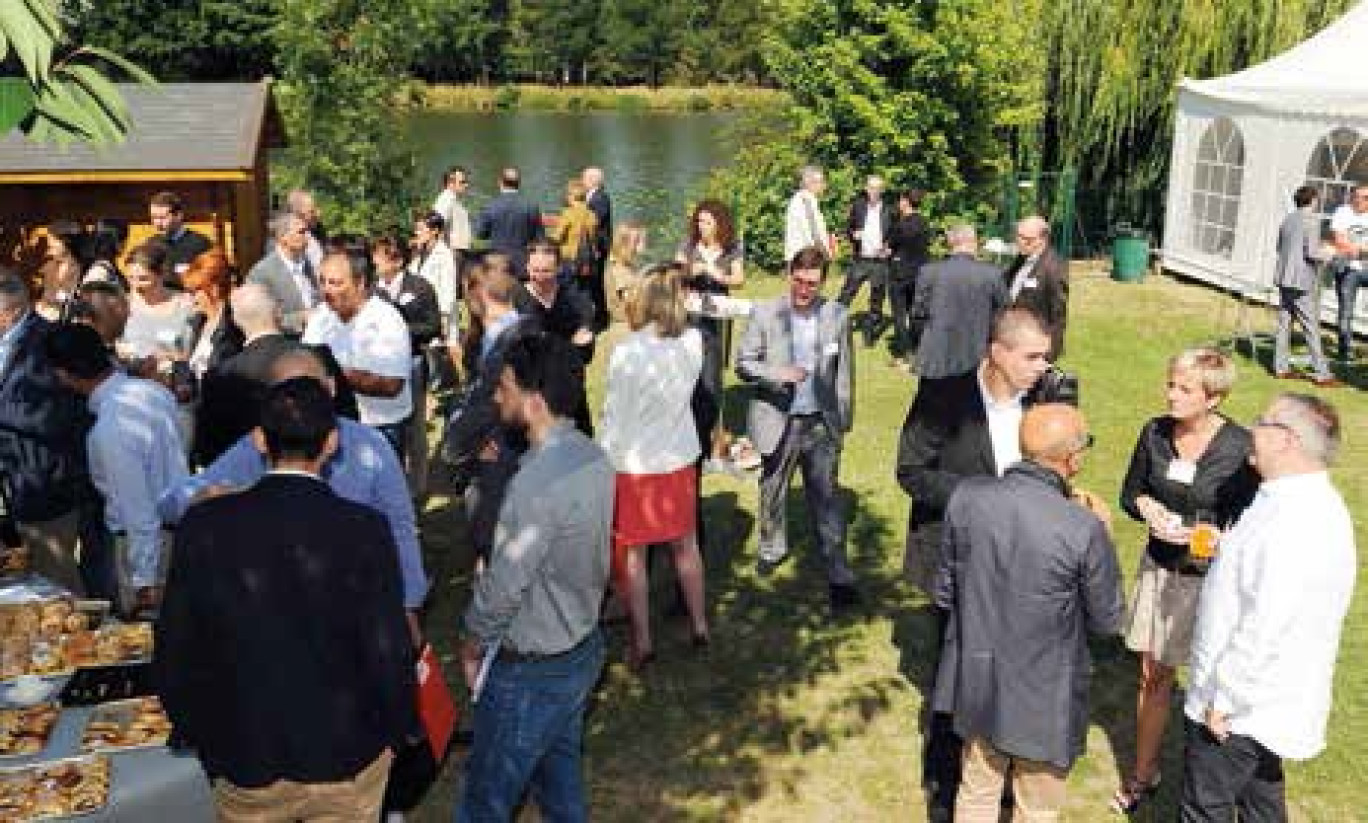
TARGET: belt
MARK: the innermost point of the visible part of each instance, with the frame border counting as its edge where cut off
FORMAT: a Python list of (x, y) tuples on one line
[(511, 655)]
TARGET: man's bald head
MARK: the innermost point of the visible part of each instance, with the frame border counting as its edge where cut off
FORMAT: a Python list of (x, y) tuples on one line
[(255, 309), (1053, 435)]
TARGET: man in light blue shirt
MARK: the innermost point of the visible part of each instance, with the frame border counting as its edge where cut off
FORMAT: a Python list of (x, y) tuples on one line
[(135, 452), (364, 470)]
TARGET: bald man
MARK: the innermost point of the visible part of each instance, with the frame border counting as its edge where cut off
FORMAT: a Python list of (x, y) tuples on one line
[(1027, 572), (1038, 279)]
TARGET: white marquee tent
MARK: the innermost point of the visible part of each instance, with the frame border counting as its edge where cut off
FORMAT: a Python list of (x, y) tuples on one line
[(1244, 142)]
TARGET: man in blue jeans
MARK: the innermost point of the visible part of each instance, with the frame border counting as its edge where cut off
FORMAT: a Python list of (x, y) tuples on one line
[(1349, 234), (533, 651)]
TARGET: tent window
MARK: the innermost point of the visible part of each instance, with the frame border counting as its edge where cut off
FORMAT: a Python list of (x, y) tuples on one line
[(1216, 188), (1339, 162)]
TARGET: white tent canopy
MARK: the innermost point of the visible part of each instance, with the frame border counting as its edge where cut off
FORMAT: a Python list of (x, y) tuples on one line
[(1244, 142)]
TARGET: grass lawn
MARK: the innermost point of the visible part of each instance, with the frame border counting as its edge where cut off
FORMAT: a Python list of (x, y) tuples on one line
[(792, 717)]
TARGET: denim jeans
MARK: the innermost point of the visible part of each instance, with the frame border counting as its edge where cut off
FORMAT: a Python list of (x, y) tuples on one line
[(529, 730), (1347, 283)]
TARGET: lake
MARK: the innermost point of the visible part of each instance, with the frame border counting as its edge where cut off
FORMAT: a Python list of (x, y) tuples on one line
[(655, 163)]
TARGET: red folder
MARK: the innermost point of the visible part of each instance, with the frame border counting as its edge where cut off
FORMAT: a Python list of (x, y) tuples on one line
[(436, 708)]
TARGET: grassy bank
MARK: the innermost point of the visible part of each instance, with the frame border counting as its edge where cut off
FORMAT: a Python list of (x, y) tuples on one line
[(534, 97), (791, 717)]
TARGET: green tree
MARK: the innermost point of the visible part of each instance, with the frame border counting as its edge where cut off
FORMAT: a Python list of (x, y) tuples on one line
[(55, 91), (925, 94), (342, 66), (1109, 73), (184, 39)]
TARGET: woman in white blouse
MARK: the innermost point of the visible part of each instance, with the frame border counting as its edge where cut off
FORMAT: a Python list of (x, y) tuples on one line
[(648, 431)]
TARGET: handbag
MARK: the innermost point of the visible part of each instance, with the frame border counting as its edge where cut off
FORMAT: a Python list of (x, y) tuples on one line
[(417, 765)]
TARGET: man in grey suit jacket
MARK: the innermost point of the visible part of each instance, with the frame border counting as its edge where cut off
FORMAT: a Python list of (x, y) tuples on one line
[(287, 273), (1298, 256), (1027, 572), (796, 352), (954, 305)]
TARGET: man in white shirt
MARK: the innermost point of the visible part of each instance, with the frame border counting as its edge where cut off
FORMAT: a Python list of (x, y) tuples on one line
[(135, 452), (868, 226), (370, 340), (1349, 235), (804, 224), (1268, 627), (451, 205)]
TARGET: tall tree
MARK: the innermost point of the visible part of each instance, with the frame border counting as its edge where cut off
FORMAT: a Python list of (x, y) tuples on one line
[(184, 39), (1109, 75), (342, 65)]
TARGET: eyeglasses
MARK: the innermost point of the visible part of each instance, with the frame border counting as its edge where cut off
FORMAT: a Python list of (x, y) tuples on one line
[(1270, 423), (1088, 441)]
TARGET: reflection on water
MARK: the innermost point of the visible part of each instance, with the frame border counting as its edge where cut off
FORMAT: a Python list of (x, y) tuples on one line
[(655, 163)]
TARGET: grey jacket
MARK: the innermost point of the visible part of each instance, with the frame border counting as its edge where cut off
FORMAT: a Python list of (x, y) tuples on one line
[(1298, 254), (272, 272), (768, 345), (955, 303), (1026, 573)]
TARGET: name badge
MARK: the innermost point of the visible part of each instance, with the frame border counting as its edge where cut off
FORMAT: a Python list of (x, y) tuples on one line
[(1182, 471), (405, 299), (1030, 283), (832, 349)]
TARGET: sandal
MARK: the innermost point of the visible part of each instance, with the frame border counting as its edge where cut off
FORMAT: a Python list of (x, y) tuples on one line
[(1131, 796)]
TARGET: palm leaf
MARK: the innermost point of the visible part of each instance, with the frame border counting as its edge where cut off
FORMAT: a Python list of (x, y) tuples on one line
[(103, 92), (135, 72), (16, 102)]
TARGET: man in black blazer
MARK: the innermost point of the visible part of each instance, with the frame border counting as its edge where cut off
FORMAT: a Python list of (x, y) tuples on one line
[(42, 446), (301, 588), (868, 226), (166, 212), (954, 305), (601, 205), (1038, 279), (509, 222), (958, 427)]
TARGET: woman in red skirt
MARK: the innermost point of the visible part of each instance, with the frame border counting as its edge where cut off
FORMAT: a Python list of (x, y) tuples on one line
[(649, 434)]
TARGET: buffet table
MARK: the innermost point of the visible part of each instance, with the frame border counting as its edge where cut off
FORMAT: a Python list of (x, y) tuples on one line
[(145, 784)]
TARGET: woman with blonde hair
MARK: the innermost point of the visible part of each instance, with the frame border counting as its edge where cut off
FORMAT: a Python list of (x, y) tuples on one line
[(629, 241), (648, 431), (1190, 469), (574, 233)]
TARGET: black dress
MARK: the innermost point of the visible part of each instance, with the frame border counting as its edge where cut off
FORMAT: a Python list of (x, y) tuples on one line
[(707, 397), (909, 248)]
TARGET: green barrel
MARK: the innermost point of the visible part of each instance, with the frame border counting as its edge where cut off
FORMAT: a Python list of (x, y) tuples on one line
[(1130, 255)]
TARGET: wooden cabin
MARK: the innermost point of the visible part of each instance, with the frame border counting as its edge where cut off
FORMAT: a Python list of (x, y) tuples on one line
[(207, 142)]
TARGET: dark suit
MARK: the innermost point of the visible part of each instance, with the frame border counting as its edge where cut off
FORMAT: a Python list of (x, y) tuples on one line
[(954, 306), (226, 340), (1046, 292), (944, 440), (602, 206), (282, 651), (508, 223), (1027, 573), (188, 245), (909, 242), (42, 429), (417, 304), (872, 269)]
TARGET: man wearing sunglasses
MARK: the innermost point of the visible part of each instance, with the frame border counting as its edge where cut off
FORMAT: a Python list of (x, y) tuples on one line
[(1268, 626)]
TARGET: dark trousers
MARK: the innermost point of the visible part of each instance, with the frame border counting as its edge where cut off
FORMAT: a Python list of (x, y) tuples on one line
[(901, 287), (1347, 283), (943, 755), (866, 269), (1220, 779)]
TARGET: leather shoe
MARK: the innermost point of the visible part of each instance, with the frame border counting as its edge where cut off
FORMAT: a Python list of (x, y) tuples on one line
[(765, 566), (1327, 383), (844, 597), (1288, 375)]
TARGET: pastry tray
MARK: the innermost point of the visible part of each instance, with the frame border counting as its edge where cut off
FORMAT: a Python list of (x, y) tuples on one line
[(14, 774)]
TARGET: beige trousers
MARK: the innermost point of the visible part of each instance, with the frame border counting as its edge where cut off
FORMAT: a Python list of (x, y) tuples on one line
[(1037, 788), (356, 800)]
